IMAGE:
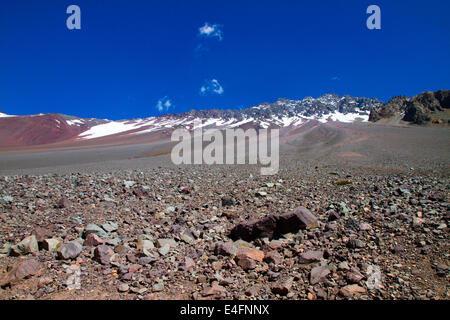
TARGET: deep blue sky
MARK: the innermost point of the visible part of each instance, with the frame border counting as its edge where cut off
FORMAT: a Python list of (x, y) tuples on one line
[(129, 54)]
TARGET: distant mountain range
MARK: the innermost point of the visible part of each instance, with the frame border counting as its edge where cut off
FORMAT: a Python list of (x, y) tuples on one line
[(41, 129)]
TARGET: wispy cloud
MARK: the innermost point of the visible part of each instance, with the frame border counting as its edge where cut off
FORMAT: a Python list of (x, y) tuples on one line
[(211, 86), (163, 104), (335, 78), (211, 31)]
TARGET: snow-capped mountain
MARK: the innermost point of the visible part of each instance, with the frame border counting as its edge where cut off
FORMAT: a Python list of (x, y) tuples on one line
[(53, 128), (281, 113)]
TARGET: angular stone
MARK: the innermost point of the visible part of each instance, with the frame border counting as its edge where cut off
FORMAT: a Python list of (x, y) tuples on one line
[(273, 257), (69, 250), (52, 244), (351, 290), (214, 289), (94, 229), (103, 254), (343, 266), (123, 287), (63, 202), (225, 249), (158, 287), (5, 250), (27, 245), (355, 244), (164, 249), (21, 270), (110, 226), (275, 225), (354, 276), (365, 226), (318, 274), (162, 242), (187, 238), (254, 254), (227, 202), (41, 234), (310, 256), (93, 240), (282, 286), (245, 262), (145, 246)]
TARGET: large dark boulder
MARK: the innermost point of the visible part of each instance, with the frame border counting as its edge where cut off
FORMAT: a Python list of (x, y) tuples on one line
[(275, 225)]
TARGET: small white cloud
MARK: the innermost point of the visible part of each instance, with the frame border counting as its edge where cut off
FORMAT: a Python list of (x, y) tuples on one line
[(211, 31), (163, 104), (335, 78), (211, 86)]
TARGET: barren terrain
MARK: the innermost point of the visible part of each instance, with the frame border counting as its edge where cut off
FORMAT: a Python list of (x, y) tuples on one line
[(122, 222)]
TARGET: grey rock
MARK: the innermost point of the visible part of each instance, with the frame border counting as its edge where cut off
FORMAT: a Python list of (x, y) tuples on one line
[(69, 250), (94, 229)]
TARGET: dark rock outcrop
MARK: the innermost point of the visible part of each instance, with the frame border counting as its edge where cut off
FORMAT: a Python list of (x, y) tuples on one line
[(274, 226)]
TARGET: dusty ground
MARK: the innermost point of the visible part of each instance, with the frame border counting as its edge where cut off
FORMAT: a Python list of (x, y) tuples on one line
[(380, 195)]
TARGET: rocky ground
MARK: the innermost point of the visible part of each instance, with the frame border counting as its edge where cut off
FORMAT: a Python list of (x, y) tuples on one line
[(164, 233)]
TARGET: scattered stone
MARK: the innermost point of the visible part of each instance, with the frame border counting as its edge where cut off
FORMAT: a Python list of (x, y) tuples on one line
[(5, 250), (64, 203), (214, 289), (164, 249), (274, 226), (110, 226), (52, 245), (163, 242), (225, 249), (41, 234), (318, 274), (93, 240), (22, 270), (69, 250), (94, 229), (351, 290), (441, 269), (310, 256), (103, 254), (26, 246), (273, 257), (227, 202), (282, 287), (355, 244), (123, 287)]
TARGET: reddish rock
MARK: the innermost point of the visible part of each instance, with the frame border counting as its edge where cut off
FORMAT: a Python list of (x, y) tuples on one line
[(351, 290), (245, 262), (64, 202), (20, 271), (41, 234), (254, 254), (273, 257), (310, 256), (214, 289), (354, 276), (92, 240), (103, 254), (318, 274)]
